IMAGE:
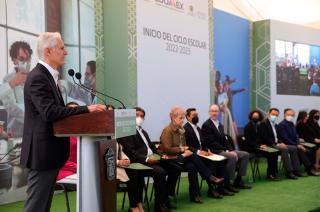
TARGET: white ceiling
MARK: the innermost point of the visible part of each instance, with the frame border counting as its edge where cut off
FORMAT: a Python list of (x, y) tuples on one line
[(304, 12)]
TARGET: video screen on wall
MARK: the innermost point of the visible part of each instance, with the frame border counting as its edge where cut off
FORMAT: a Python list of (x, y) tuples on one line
[(297, 68)]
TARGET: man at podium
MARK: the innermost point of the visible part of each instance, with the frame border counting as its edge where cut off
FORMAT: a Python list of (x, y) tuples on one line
[(43, 153)]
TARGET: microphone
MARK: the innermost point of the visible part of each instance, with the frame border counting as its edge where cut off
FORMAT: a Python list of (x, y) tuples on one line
[(71, 74), (78, 76)]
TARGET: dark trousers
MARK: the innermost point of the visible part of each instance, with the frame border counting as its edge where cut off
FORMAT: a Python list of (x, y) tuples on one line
[(193, 165), (304, 159), (290, 158), (163, 186), (272, 160), (218, 169), (135, 186), (40, 190)]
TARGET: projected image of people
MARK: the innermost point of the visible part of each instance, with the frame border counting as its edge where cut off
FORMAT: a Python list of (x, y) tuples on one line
[(297, 69), (224, 96)]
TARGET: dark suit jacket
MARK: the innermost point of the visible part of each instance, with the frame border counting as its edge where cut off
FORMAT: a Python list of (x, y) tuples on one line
[(308, 131), (215, 139), (44, 105), (135, 148), (304, 132), (287, 133), (266, 135), (192, 139)]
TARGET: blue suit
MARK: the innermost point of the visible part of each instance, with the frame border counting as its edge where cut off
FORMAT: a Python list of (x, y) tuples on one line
[(287, 133)]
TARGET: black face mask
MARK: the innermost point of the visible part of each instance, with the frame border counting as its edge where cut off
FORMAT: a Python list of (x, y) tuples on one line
[(255, 120), (316, 118), (195, 120)]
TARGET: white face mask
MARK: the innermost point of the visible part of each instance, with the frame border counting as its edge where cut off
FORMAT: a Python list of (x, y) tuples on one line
[(139, 121), (290, 118), (23, 65)]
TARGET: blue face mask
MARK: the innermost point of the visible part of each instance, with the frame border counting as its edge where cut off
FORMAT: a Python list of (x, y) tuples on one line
[(273, 119)]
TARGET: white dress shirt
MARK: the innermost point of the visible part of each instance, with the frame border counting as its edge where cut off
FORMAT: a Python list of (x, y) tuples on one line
[(52, 71), (145, 141), (216, 124), (195, 129), (274, 130)]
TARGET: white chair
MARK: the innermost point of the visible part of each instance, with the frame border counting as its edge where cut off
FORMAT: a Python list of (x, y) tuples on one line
[(68, 183)]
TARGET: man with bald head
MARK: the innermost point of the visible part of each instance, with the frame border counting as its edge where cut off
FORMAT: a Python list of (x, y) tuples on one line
[(219, 143), (173, 143)]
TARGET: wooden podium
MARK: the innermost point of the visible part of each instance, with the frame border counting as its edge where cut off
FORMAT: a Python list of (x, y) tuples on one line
[(96, 149)]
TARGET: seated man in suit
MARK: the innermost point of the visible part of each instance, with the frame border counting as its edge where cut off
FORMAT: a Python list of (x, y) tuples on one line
[(196, 144), (288, 135), (172, 143), (268, 135), (140, 149), (219, 143)]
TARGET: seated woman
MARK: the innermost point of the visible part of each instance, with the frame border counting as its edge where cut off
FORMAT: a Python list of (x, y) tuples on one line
[(308, 129), (252, 143), (136, 182)]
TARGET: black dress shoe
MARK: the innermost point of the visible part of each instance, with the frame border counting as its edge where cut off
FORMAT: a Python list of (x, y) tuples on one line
[(225, 192), (273, 178), (232, 189), (196, 199), (214, 195), (214, 180), (291, 176), (161, 208)]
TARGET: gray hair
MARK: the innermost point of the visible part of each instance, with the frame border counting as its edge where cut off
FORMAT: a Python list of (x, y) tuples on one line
[(47, 40), (176, 111)]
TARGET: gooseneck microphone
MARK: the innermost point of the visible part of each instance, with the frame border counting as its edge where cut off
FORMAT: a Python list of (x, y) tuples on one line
[(71, 74), (78, 76)]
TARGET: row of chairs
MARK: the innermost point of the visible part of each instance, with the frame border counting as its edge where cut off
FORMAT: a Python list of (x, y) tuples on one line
[(69, 183)]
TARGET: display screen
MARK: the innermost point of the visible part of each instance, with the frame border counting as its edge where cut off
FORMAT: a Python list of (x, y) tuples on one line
[(297, 68)]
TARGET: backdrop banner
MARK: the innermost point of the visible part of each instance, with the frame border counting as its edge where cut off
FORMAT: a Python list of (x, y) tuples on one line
[(173, 59)]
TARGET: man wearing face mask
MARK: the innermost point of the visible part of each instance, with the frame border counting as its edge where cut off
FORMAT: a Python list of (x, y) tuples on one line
[(197, 145), (287, 134), (11, 91), (71, 90), (173, 143), (140, 149), (268, 135)]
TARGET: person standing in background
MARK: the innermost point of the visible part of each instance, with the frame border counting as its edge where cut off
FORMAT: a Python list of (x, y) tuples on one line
[(11, 90)]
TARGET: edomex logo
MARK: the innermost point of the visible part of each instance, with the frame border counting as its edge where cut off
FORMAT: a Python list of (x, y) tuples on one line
[(171, 3)]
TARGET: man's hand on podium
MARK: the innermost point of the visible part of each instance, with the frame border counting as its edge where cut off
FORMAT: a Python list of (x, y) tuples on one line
[(97, 108)]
